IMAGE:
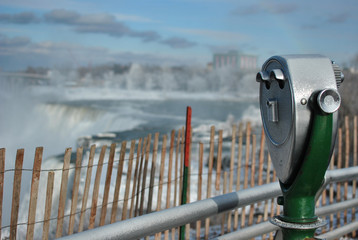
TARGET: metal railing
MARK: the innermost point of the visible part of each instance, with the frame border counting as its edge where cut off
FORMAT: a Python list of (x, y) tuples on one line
[(266, 227), (170, 218)]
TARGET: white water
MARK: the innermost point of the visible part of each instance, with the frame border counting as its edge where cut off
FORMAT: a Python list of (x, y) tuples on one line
[(56, 116)]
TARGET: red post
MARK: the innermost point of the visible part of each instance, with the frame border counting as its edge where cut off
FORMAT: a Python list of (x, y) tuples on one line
[(186, 163), (187, 136)]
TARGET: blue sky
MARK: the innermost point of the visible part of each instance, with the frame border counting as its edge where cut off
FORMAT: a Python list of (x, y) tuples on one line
[(72, 33)]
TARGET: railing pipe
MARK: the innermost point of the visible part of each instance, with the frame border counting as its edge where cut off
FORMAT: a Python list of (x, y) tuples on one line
[(336, 207), (173, 217), (348, 228), (250, 232), (338, 175), (148, 224), (266, 227), (341, 175)]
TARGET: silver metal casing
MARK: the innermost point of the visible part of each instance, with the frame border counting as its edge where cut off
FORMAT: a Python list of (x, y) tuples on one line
[(287, 84)]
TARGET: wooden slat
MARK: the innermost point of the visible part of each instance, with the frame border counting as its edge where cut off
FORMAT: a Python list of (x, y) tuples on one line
[(278, 207), (36, 172), (261, 157), (219, 159), (324, 203), (16, 193), (170, 166), (2, 174), (63, 192), (187, 226), (87, 187), (261, 167), (339, 166), (150, 192), (346, 163), (247, 154), (136, 212), (135, 178), (232, 162), (107, 184), (152, 172), (48, 205), (355, 146), (208, 187), (252, 182), (118, 182), (268, 179), (354, 184), (145, 175), (223, 218), (95, 192), (161, 179), (200, 182), (128, 181), (247, 158), (232, 158), (238, 173), (75, 186), (331, 194), (177, 150), (189, 168), (272, 211)]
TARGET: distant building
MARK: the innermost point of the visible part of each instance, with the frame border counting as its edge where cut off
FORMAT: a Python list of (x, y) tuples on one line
[(209, 66), (235, 59)]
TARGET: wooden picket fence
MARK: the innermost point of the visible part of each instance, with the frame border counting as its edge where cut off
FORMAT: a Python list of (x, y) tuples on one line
[(136, 183)]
